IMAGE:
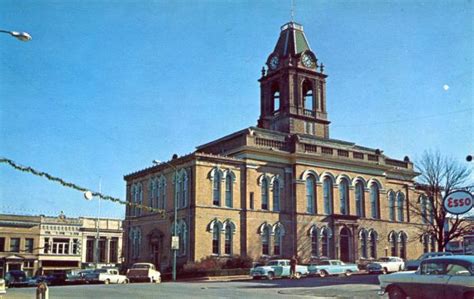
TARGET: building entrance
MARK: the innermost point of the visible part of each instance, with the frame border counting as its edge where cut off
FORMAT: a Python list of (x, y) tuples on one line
[(344, 244)]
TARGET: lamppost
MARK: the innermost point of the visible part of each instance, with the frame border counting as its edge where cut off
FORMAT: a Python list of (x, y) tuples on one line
[(175, 226), (88, 196), (23, 36)]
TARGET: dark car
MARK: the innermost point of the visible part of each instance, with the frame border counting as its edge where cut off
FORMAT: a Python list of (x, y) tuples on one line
[(16, 278), (57, 278), (437, 278), (412, 265)]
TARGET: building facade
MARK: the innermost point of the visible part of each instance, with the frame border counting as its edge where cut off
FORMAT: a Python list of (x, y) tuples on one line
[(281, 188), (47, 244)]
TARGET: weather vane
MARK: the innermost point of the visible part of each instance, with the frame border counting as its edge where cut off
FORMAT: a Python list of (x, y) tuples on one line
[(292, 10)]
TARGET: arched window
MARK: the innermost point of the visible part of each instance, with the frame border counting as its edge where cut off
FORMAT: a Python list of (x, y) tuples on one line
[(374, 200), (424, 215), (373, 244), (360, 202), (265, 240), (314, 242), (136, 236), (276, 195), (228, 240), (403, 245), (179, 194), (276, 100), (277, 241), (431, 213), (216, 186), (310, 194), (162, 192), (151, 192), (184, 189), (325, 236), (216, 232), (363, 243), (138, 198), (391, 206), (392, 239), (182, 233), (400, 205), (264, 193), (228, 190), (308, 96), (344, 197), (327, 194)]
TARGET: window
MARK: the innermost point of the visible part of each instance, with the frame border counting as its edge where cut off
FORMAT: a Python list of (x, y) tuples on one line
[(216, 239), (90, 245), (46, 245), (314, 242), (151, 192), (433, 268), (265, 240), (163, 192), (228, 190), (276, 195), (400, 204), (14, 244), (216, 188), (344, 197), (228, 240), (403, 245), (60, 246), (264, 193), (102, 244), (183, 235), (29, 245), (2, 244), (392, 239), (363, 243), (374, 200), (277, 241), (251, 203), (183, 182), (276, 100), (391, 206), (308, 96), (433, 243), (327, 194), (373, 244), (136, 239), (359, 194), (113, 251), (310, 194), (325, 242), (424, 215)]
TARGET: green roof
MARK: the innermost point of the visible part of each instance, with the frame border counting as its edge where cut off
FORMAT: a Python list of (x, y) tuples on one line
[(292, 40)]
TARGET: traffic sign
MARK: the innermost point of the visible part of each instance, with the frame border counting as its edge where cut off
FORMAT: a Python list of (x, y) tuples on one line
[(458, 202)]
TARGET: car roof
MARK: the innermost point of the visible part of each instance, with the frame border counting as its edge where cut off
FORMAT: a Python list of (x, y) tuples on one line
[(462, 258)]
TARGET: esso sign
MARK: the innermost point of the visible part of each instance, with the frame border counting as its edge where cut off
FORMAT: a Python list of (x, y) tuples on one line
[(458, 202)]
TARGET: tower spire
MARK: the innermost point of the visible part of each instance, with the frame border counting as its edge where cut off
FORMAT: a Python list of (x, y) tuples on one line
[(292, 10)]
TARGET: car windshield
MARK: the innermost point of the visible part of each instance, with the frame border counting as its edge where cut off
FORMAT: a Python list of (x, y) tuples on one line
[(384, 259), (101, 271), (272, 263), (140, 266)]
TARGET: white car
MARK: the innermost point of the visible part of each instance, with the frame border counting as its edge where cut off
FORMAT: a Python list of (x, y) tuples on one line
[(144, 272), (386, 264), (106, 276)]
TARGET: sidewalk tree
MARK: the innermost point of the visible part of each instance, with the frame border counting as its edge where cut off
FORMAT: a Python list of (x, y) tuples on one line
[(440, 175)]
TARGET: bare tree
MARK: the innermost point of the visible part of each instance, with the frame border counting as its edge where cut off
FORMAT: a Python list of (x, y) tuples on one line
[(440, 175)]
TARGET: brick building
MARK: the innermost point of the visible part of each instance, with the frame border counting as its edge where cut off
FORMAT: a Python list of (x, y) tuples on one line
[(281, 188)]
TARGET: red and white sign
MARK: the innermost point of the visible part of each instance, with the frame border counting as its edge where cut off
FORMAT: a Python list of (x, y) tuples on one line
[(458, 202)]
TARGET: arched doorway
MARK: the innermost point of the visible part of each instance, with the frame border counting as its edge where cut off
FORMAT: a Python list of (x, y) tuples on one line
[(155, 239), (344, 244)]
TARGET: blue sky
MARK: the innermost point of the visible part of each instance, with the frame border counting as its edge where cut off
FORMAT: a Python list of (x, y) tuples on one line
[(105, 87)]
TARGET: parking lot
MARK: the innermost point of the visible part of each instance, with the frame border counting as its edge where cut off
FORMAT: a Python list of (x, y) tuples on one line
[(356, 286)]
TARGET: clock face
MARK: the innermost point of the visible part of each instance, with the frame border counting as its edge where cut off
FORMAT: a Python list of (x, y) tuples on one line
[(274, 61), (307, 60)]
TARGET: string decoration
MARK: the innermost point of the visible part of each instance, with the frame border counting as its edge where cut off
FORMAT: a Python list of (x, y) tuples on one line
[(78, 188)]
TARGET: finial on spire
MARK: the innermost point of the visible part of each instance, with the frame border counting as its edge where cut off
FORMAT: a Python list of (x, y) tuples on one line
[(263, 71), (322, 67), (292, 10)]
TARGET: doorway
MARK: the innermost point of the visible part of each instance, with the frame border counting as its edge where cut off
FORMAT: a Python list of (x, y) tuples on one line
[(344, 244)]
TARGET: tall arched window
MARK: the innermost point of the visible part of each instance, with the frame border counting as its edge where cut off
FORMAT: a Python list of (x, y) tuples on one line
[(360, 202), (403, 245), (400, 205), (265, 240), (325, 242), (182, 233), (179, 194), (391, 206), (392, 239), (276, 195), (228, 240), (216, 232), (216, 186), (308, 96), (228, 190), (277, 241), (373, 244), (344, 197), (163, 192), (264, 193), (276, 100), (184, 189), (374, 200), (314, 242), (151, 192), (310, 194), (363, 243), (327, 194)]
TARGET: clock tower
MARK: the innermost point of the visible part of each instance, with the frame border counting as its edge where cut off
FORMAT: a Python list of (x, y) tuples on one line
[(293, 89)]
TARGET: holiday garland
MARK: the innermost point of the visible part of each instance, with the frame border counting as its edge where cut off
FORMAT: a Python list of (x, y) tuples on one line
[(76, 187)]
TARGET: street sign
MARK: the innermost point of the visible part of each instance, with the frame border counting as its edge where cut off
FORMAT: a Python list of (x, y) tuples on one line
[(175, 242), (458, 202)]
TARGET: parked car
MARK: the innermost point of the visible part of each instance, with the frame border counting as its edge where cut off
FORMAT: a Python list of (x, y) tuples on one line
[(16, 278), (105, 276), (438, 277), (332, 267), (414, 264), (276, 269), (386, 264), (143, 272), (55, 278)]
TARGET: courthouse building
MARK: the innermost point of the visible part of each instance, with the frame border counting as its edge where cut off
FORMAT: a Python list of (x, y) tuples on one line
[(281, 188)]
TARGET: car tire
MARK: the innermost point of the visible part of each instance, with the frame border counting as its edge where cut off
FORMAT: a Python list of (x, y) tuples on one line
[(126, 280), (384, 271), (469, 295), (348, 273), (323, 274), (107, 281), (270, 276), (297, 275), (396, 293)]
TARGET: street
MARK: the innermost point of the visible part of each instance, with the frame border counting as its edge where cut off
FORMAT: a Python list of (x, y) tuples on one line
[(356, 286)]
